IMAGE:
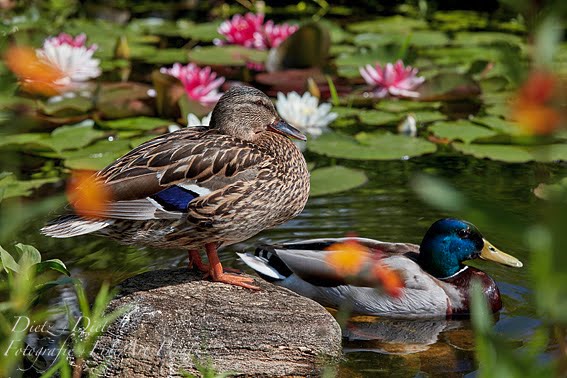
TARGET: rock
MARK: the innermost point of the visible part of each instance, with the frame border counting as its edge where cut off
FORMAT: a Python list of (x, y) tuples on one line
[(178, 321)]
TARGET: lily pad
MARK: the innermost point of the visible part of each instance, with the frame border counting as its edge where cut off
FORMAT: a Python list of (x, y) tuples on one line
[(507, 153), (462, 130), (226, 55), (377, 117), (167, 56), (460, 20), (135, 123), (21, 139), (394, 24), (206, 31), (66, 106), (370, 146), (426, 116), (96, 156), (499, 124), (398, 105), (380, 54), (485, 38), (422, 38), (10, 186), (72, 137), (335, 179), (550, 153)]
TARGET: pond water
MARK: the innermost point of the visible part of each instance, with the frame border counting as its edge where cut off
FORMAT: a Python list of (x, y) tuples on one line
[(384, 208)]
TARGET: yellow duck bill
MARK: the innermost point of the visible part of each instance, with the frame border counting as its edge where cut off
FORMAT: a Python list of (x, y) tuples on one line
[(490, 252)]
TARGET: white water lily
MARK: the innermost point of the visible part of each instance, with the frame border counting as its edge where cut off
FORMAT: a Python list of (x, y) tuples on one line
[(192, 121), (305, 113), (71, 56)]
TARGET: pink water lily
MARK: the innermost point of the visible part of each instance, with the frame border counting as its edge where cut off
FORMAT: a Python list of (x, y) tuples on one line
[(393, 79), (201, 84), (71, 56), (274, 34), (250, 31), (241, 30)]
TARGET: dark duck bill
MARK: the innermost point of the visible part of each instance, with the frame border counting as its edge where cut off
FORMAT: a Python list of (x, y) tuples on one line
[(284, 128)]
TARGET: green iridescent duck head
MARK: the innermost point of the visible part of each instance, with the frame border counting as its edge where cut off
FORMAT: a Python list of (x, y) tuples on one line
[(449, 242)]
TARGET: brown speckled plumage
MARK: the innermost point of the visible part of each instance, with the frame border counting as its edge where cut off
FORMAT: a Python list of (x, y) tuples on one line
[(251, 177)]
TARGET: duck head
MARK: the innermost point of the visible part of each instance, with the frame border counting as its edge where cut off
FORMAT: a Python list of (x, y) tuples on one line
[(246, 113), (449, 242)]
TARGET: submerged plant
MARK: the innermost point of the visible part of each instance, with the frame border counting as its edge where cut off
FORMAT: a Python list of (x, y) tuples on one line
[(250, 31), (71, 56), (305, 113), (392, 79), (201, 84)]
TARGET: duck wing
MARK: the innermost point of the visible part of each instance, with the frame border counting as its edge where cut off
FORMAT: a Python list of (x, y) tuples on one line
[(303, 267), (160, 178)]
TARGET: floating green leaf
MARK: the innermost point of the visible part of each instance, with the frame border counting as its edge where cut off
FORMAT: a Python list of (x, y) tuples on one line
[(485, 38), (96, 156), (460, 20), (370, 146), (461, 129), (66, 106), (394, 24), (335, 179), (499, 124), (205, 32), (167, 56), (12, 187), (377, 117), (20, 139), (72, 137), (398, 105), (135, 123), (226, 55), (422, 38), (507, 153), (426, 116)]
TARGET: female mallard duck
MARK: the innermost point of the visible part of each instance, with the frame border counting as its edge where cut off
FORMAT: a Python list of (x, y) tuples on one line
[(435, 282), (203, 186)]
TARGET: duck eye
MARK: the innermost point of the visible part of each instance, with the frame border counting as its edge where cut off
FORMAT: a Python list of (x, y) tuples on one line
[(463, 233)]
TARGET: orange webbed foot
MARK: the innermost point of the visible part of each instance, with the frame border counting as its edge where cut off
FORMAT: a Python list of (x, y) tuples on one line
[(235, 280)]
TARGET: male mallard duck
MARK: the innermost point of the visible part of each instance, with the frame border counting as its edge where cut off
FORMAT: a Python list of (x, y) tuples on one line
[(203, 186), (435, 281)]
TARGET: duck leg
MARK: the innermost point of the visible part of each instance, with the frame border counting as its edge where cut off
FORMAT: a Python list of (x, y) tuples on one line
[(216, 272), (195, 261)]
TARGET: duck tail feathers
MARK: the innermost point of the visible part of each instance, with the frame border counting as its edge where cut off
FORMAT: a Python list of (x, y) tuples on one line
[(266, 263), (68, 226)]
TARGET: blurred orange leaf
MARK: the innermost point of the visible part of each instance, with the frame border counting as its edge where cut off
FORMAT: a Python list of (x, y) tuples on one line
[(353, 260), (88, 196), (35, 75), (533, 107), (348, 258)]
